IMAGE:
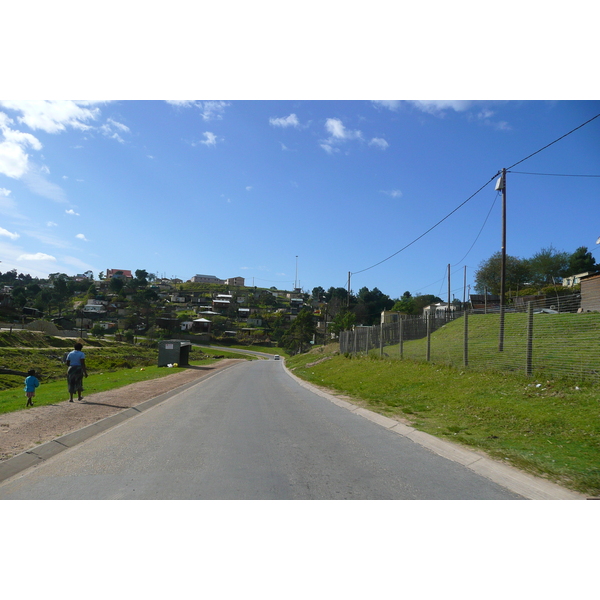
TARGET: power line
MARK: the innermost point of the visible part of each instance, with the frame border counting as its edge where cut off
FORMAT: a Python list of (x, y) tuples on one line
[(473, 195), (480, 231), (426, 232), (554, 142), (552, 174)]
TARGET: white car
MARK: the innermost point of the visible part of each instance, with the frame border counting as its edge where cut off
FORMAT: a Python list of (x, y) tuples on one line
[(276, 357)]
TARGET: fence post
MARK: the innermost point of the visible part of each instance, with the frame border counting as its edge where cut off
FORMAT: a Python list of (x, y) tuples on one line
[(428, 336), (381, 340), (401, 336), (529, 359), (466, 340)]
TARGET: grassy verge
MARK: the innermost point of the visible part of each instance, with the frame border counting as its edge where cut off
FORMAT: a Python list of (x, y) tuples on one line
[(56, 391), (266, 349), (110, 365), (550, 428)]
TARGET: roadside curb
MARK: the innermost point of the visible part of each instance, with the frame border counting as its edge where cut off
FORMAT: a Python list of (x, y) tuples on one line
[(528, 486), (36, 456)]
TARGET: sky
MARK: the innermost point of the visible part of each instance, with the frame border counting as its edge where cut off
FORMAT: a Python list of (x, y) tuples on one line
[(286, 169), (286, 193)]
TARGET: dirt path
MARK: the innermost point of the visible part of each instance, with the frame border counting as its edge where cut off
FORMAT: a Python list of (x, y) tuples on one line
[(25, 429)]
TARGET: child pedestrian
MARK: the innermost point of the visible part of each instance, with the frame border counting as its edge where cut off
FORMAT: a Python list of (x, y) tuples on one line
[(31, 382)]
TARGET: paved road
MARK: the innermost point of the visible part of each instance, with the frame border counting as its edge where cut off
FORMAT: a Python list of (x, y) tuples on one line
[(250, 432)]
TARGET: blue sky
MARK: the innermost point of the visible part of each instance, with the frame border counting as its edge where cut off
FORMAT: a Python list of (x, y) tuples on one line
[(290, 154), (242, 188)]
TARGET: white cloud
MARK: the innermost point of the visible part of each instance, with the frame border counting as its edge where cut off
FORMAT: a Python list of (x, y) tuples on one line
[(248, 188), (80, 236), (36, 181), (289, 121), (70, 211), (210, 110), (48, 239), (390, 104), (52, 116), (37, 256), (211, 139), (117, 125), (51, 224), (437, 107), (337, 130), (329, 148), (338, 134), (434, 107), (213, 110), (109, 130), (392, 193), (13, 157), (485, 115), (182, 103), (79, 264), (379, 142), (8, 234), (8, 206)]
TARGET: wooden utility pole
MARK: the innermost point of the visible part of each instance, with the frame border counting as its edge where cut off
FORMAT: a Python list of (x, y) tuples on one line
[(501, 185), (348, 298), (448, 290)]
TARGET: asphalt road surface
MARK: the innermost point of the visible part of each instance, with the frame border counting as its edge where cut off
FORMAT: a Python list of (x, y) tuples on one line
[(250, 432)]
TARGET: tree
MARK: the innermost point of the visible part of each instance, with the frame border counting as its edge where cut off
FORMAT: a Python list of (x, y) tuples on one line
[(406, 304), (343, 321), (300, 333), (141, 278), (371, 303), (318, 293), (340, 293), (547, 265), (116, 284), (581, 261), (423, 300), (487, 275)]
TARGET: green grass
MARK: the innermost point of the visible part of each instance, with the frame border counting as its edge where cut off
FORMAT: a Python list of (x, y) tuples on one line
[(552, 430), (563, 344), (266, 349), (110, 365), (56, 391)]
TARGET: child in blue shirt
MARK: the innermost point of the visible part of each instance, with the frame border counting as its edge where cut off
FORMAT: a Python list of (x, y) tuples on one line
[(31, 382)]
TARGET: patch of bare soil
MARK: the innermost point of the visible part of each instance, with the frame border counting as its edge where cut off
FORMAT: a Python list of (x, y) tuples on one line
[(25, 429)]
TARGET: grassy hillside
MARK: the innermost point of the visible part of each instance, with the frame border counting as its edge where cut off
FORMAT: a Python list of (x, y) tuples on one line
[(547, 427), (564, 345)]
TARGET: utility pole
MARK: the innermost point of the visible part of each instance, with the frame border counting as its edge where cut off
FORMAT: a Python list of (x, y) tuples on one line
[(348, 298), (296, 280), (448, 311), (501, 185)]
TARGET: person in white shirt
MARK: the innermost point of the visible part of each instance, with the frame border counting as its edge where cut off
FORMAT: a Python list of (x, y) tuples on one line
[(76, 371)]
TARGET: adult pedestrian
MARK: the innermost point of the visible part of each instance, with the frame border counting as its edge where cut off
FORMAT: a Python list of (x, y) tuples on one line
[(76, 371)]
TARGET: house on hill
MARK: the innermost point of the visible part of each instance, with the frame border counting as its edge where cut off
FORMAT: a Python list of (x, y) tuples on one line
[(235, 281), (206, 279), (122, 273)]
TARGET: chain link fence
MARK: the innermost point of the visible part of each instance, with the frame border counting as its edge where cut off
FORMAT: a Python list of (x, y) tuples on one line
[(545, 337)]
